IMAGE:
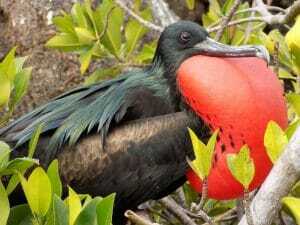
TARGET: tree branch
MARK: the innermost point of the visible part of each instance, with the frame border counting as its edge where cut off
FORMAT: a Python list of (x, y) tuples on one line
[(162, 13), (136, 219), (281, 179), (227, 19), (280, 18), (177, 210), (138, 18)]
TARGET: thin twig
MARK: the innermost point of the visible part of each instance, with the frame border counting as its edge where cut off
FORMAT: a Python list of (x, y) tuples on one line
[(276, 57), (200, 215), (177, 210), (249, 26), (227, 19), (281, 18), (236, 22), (138, 18), (136, 219), (246, 203), (203, 196)]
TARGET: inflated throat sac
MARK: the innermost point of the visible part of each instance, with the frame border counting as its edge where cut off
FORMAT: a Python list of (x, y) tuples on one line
[(238, 96)]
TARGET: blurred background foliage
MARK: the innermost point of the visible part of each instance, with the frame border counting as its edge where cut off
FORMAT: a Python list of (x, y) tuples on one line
[(103, 32)]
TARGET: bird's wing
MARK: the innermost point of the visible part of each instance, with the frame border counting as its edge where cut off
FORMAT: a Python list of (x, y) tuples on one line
[(84, 109), (143, 159)]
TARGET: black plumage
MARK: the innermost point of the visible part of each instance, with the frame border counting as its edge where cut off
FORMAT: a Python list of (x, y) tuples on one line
[(125, 135)]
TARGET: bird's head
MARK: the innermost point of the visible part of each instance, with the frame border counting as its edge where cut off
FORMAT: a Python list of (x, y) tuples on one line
[(184, 39)]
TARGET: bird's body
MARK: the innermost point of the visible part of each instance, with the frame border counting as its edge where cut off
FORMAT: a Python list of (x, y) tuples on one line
[(127, 135)]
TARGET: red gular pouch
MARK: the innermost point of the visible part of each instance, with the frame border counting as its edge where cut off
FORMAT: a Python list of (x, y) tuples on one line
[(238, 96)]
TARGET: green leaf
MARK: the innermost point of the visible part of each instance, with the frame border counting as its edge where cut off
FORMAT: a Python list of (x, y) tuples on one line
[(292, 39), (74, 205), (134, 31), (34, 140), (90, 13), (19, 215), (85, 37), (4, 154), (8, 64), (292, 128), (58, 214), (18, 164), (38, 191), (101, 74), (203, 154), (53, 174), (147, 53), (296, 190), (274, 140), (21, 83), (105, 210), (65, 42), (113, 36), (4, 205), (64, 24), (88, 214), (78, 15), (19, 62), (5, 90), (242, 166), (293, 206), (85, 60), (190, 4), (294, 100)]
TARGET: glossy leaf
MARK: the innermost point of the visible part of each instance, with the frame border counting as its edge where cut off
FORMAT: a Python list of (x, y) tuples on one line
[(85, 37), (53, 174), (105, 210), (78, 15), (74, 205), (203, 154), (85, 60), (4, 154), (8, 65), (5, 90), (58, 214), (21, 83), (65, 42), (292, 39), (292, 128), (274, 140), (242, 166), (64, 24), (34, 140), (88, 214), (101, 74), (294, 100), (134, 31), (38, 191), (4, 205), (293, 206), (112, 35), (20, 215)]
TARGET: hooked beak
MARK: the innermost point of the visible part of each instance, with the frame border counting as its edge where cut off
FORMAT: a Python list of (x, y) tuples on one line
[(211, 47)]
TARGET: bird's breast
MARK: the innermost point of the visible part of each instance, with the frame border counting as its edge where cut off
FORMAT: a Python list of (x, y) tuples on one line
[(239, 96)]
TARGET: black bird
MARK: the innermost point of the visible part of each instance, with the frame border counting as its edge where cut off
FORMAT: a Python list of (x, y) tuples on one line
[(126, 135)]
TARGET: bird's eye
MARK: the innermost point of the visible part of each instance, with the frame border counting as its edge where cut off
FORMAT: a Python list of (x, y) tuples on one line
[(185, 37)]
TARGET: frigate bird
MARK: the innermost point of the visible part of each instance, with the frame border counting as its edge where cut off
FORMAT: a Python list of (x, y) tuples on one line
[(127, 135)]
